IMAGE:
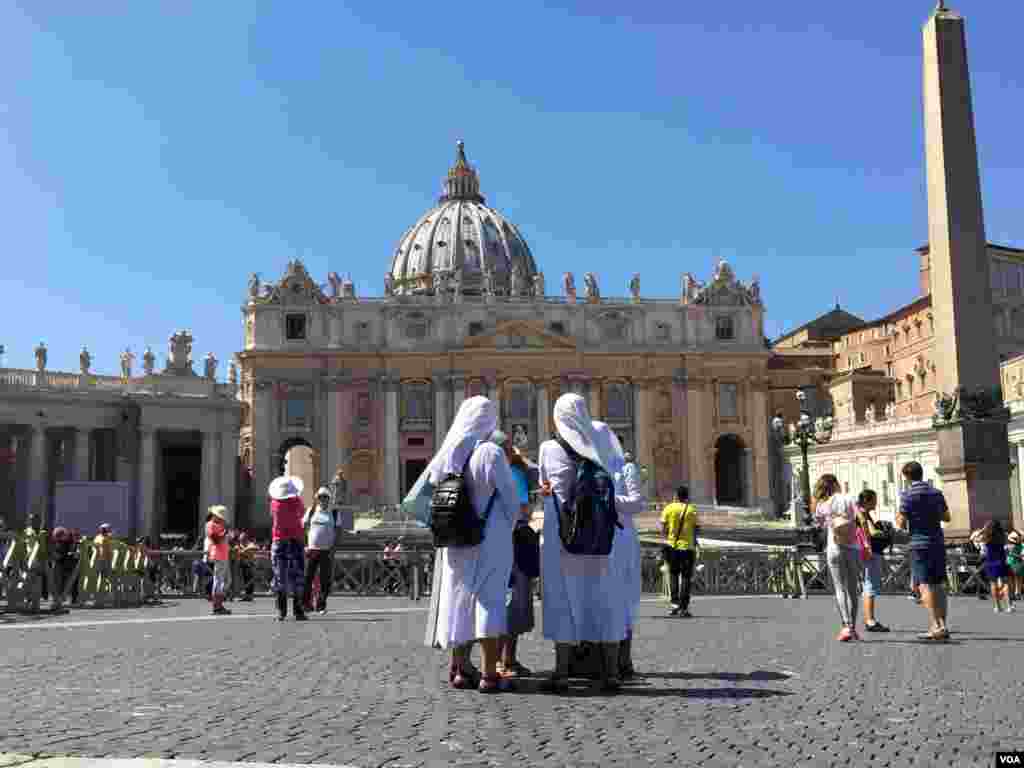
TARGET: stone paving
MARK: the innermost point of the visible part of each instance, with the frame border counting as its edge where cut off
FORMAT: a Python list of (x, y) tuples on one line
[(747, 682)]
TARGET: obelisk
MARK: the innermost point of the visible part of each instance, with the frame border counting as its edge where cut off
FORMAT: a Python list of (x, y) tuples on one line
[(974, 460)]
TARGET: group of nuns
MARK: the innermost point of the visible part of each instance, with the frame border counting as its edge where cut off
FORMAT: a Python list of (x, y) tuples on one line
[(587, 599)]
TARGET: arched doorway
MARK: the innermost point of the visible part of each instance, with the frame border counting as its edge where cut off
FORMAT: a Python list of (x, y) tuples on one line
[(297, 457), (730, 477)]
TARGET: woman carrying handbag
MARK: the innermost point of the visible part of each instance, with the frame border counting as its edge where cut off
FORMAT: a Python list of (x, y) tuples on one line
[(837, 513)]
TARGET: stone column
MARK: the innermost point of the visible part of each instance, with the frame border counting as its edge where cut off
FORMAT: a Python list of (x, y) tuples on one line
[(594, 399), (458, 394), (146, 516), (229, 474), (643, 430), (328, 416), (392, 478), (263, 449), (441, 419), (37, 472), (761, 460), (209, 493), (698, 411), (543, 412), (82, 438), (974, 460)]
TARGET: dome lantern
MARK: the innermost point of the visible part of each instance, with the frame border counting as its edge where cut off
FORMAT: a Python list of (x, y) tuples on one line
[(462, 182)]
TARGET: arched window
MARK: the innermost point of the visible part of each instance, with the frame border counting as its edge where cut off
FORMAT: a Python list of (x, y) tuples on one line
[(724, 330)]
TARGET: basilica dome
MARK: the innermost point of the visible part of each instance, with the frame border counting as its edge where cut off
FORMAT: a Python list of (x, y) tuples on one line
[(460, 241)]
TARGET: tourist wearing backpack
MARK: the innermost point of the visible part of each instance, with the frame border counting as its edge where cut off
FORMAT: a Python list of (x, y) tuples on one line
[(583, 600), (476, 547)]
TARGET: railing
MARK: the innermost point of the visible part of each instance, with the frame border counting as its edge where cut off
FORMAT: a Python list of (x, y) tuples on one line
[(777, 571), (22, 378), (356, 573)]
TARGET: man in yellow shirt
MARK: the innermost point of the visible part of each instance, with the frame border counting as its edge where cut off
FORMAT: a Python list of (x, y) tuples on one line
[(679, 527)]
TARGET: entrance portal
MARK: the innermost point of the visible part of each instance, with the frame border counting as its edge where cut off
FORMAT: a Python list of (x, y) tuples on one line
[(413, 469), (730, 480), (182, 473), (300, 460)]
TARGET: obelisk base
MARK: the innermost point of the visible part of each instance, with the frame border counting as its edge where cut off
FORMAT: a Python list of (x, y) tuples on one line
[(974, 464)]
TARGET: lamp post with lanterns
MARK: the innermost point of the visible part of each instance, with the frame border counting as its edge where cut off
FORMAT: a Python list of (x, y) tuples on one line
[(806, 432)]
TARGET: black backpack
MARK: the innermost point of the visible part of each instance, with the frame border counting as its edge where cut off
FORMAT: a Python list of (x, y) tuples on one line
[(453, 521), (587, 521)]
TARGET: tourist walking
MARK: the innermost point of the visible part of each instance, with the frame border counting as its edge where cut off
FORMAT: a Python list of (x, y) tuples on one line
[(218, 556), (867, 502), (629, 501), (65, 557), (836, 512), (583, 600), (992, 539), (474, 578), (1015, 562), (102, 558), (520, 592), (286, 550), (246, 552), (321, 522), (922, 510), (680, 527)]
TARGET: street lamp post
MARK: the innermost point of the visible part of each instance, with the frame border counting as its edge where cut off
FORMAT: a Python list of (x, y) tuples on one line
[(804, 433)]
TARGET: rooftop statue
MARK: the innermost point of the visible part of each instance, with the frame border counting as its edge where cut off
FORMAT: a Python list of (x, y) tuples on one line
[(127, 360), (41, 357), (569, 284), (591, 291), (84, 360), (254, 286), (148, 361), (634, 286)]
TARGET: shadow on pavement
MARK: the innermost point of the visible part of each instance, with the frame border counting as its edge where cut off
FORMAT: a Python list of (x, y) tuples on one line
[(723, 676), (586, 689)]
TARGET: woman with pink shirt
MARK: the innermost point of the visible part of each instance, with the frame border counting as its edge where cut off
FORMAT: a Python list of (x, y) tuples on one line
[(287, 557), (217, 554)]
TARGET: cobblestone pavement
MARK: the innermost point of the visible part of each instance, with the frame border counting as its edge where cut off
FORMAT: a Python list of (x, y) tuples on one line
[(747, 682)]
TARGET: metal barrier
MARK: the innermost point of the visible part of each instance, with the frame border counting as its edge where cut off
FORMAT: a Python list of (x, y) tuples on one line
[(797, 572), (355, 573), (131, 577)]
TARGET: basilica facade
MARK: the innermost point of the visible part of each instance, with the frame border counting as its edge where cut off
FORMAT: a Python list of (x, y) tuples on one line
[(369, 385)]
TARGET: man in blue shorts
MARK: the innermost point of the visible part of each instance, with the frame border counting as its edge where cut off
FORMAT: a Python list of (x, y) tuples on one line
[(924, 509)]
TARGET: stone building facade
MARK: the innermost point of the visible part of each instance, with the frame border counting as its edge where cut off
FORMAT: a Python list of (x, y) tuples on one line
[(156, 448), (370, 384), (879, 382)]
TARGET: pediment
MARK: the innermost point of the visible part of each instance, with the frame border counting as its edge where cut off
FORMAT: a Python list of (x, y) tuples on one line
[(520, 334)]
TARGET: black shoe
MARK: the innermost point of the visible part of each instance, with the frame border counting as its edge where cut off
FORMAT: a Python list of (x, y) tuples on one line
[(876, 627), (685, 614), (674, 612), (299, 610), (282, 606)]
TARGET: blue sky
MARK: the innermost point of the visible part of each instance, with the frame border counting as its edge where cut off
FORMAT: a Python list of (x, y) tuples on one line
[(152, 155)]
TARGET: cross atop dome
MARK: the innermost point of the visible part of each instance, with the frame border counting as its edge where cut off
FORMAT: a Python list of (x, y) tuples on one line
[(462, 182)]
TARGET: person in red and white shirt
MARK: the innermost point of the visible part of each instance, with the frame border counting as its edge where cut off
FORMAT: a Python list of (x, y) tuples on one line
[(217, 554)]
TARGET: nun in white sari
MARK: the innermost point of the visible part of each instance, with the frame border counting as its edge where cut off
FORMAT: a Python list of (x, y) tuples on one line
[(473, 580), (583, 601), (629, 501)]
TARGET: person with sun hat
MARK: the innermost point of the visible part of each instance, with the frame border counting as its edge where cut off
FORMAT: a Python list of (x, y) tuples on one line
[(287, 558)]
